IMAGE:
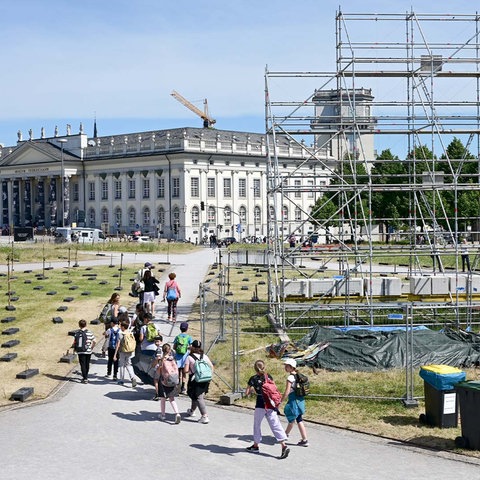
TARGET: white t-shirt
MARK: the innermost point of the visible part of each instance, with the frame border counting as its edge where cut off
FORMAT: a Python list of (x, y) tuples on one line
[(292, 380), (146, 345)]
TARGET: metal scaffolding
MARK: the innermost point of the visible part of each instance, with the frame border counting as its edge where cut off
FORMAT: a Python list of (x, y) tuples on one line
[(410, 83)]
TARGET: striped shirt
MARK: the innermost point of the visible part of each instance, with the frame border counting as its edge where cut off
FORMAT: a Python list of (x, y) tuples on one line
[(90, 341)]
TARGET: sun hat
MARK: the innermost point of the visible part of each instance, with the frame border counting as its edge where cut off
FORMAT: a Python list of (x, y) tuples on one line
[(148, 265), (290, 361)]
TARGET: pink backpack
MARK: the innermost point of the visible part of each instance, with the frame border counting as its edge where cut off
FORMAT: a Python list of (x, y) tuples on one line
[(271, 396), (169, 372)]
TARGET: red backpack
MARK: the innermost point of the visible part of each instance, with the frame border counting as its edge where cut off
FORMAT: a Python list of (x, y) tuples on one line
[(271, 396), (169, 372)]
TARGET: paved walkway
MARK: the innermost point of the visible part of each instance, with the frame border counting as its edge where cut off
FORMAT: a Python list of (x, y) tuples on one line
[(106, 430)]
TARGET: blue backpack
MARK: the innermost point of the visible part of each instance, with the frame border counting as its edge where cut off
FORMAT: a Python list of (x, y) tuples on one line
[(113, 338)]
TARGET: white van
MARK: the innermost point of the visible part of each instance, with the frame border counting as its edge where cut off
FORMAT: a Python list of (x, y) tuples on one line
[(87, 235)]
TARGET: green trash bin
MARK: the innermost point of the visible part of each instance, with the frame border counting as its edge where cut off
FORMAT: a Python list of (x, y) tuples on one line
[(469, 399), (441, 406)]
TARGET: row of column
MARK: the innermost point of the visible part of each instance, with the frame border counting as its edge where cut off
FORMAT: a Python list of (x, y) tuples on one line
[(34, 202)]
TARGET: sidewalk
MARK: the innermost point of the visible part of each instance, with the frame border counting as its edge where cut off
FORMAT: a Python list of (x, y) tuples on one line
[(105, 430)]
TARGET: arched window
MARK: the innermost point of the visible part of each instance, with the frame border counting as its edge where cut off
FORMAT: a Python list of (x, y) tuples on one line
[(242, 211), (104, 215), (176, 218), (257, 216), (146, 216), (271, 212), (195, 217), (91, 217), (227, 216), (161, 218), (118, 216), (132, 217), (212, 217), (298, 214), (285, 213)]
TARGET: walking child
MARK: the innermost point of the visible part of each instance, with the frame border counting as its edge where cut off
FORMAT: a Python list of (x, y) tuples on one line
[(168, 382)]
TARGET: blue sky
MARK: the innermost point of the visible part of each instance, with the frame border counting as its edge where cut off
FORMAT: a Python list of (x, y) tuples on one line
[(64, 62)]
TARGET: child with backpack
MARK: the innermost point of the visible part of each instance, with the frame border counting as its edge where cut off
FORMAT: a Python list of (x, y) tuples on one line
[(83, 344), (266, 405), (197, 388), (171, 293), (147, 335), (168, 382), (111, 338), (156, 364), (124, 351), (181, 345), (295, 407)]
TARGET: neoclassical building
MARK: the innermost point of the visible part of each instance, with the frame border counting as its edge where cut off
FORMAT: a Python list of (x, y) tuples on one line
[(183, 183)]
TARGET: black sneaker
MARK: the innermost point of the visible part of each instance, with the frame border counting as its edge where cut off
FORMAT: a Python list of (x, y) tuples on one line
[(253, 448), (285, 452)]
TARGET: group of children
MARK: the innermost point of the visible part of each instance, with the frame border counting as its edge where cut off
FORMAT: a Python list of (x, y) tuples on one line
[(173, 366)]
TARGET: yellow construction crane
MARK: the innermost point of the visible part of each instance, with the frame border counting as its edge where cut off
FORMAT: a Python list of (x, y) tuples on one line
[(207, 120)]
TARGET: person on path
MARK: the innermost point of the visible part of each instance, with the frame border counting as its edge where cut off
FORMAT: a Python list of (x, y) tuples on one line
[(168, 383), (172, 294), (262, 410), (196, 391), (155, 365), (295, 407), (181, 346), (115, 302), (84, 357), (148, 332), (124, 358), (150, 292), (111, 340), (139, 288), (465, 256)]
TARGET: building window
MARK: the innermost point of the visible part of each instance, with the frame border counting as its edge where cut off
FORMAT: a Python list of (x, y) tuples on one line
[(227, 216), (91, 190), (285, 213), (91, 217), (146, 188), (176, 219), (104, 190), (211, 218), (194, 187), (118, 217), (75, 192), (227, 187), (242, 187), (298, 214), (310, 188), (195, 217), (104, 215), (131, 189), (298, 186), (257, 217), (256, 188), (211, 187), (242, 211), (175, 187), (117, 186), (132, 217), (271, 212), (161, 218), (146, 217), (160, 188)]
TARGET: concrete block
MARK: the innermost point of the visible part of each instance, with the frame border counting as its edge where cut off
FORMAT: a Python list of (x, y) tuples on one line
[(10, 344), (67, 358), (8, 357), (68, 299), (10, 331), (229, 398), (38, 287), (440, 285), (392, 286), (62, 308), (295, 288), (31, 372), (73, 287), (57, 320), (8, 319), (420, 286), (352, 286), (53, 292), (319, 287), (22, 394)]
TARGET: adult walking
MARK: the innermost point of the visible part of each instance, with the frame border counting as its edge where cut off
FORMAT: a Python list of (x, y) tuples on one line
[(150, 292), (197, 390), (84, 343), (465, 255), (172, 294)]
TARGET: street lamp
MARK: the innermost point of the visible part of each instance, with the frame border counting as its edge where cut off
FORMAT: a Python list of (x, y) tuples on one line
[(62, 142)]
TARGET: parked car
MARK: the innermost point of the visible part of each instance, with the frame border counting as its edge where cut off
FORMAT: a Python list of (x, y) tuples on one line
[(225, 242), (142, 239)]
